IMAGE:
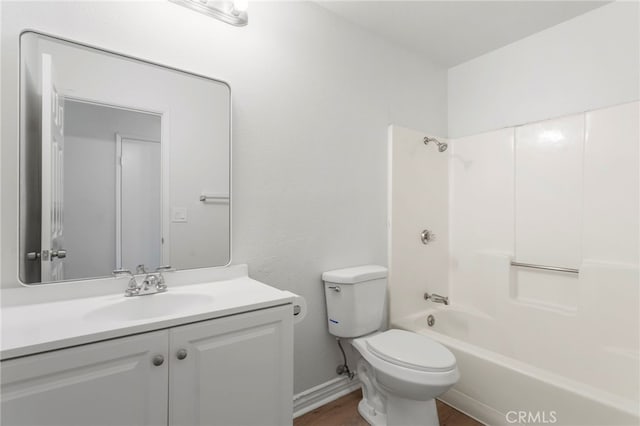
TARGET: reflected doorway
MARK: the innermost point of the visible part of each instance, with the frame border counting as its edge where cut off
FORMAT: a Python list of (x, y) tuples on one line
[(111, 153)]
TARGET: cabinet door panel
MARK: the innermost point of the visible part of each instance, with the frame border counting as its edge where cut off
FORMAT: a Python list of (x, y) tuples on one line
[(107, 383), (238, 370)]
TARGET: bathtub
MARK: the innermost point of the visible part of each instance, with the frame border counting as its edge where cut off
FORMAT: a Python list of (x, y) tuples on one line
[(507, 380)]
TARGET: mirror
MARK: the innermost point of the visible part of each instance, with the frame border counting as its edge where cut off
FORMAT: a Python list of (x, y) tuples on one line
[(122, 163)]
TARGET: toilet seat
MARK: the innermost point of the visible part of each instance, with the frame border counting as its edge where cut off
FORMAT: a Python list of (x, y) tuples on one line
[(410, 377), (411, 350)]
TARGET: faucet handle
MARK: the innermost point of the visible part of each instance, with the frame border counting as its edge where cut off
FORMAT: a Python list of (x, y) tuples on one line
[(132, 287), (161, 285), (140, 269)]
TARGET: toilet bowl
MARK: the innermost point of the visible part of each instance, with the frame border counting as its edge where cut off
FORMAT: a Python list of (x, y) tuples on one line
[(401, 372), (408, 364)]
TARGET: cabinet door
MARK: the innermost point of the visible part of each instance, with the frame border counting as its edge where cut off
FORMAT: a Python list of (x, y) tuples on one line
[(238, 370), (107, 383)]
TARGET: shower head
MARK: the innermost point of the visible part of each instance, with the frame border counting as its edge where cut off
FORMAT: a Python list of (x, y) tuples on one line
[(442, 147)]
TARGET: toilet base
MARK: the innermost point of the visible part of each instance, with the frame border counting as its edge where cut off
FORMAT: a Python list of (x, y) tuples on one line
[(401, 412), (371, 415), (406, 412), (381, 408)]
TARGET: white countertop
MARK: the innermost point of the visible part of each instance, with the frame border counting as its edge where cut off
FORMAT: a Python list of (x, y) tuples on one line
[(29, 328)]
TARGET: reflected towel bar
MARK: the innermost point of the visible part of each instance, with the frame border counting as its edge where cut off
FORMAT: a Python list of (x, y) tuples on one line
[(216, 198), (547, 268)]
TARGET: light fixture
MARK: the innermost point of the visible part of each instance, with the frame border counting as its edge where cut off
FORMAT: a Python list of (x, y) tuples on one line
[(231, 12)]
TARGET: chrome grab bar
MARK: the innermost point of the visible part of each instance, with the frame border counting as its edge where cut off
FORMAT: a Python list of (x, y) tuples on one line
[(546, 268)]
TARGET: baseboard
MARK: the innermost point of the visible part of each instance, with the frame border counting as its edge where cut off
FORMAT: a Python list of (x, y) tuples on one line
[(322, 394), (473, 408), (333, 389)]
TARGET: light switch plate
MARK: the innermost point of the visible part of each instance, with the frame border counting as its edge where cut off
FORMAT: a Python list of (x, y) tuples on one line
[(178, 214)]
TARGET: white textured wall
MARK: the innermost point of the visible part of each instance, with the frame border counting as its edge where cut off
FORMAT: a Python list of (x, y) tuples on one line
[(312, 95), (589, 62)]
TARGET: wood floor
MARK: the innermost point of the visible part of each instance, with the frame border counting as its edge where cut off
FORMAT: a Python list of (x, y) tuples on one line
[(344, 412)]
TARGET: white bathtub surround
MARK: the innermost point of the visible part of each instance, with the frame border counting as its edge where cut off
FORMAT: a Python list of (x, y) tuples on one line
[(416, 268), (615, 324), (548, 192), (482, 209), (548, 209), (576, 345), (567, 342), (612, 184), (493, 382), (600, 167)]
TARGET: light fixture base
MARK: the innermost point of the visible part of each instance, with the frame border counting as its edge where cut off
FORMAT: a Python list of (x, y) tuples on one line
[(216, 9)]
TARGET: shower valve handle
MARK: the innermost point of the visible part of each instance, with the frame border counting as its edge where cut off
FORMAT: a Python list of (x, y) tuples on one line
[(427, 236)]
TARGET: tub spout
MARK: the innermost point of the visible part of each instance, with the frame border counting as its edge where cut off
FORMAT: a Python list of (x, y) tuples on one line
[(436, 298)]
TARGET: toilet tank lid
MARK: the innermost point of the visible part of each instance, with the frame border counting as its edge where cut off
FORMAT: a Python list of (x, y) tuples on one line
[(356, 274)]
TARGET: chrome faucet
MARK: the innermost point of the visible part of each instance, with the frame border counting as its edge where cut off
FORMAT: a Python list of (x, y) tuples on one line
[(152, 283), (157, 279), (436, 298)]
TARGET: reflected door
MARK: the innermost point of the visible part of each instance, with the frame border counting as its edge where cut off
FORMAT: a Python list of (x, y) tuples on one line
[(52, 236), (138, 186)]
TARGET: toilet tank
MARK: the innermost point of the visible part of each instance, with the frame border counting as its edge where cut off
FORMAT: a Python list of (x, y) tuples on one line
[(355, 299)]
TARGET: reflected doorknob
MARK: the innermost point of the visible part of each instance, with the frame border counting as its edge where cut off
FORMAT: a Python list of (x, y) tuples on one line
[(47, 255), (33, 255), (60, 254)]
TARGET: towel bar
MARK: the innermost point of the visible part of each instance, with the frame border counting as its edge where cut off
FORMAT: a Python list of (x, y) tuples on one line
[(544, 267)]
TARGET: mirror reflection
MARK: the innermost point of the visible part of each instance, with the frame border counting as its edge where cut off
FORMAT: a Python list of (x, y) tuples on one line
[(124, 164), (116, 202)]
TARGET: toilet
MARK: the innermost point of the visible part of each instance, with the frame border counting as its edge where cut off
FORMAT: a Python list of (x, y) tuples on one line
[(401, 372)]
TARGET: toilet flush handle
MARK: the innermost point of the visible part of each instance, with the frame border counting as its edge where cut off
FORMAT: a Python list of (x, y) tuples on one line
[(335, 288)]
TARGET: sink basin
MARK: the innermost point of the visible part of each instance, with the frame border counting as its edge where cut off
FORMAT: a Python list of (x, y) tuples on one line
[(151, 306)]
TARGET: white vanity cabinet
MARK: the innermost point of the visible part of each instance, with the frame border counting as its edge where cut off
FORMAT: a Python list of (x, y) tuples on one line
[(234, 370), (107, 383)]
